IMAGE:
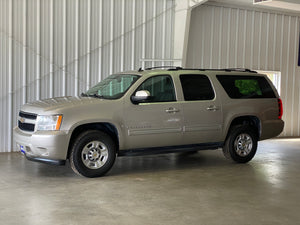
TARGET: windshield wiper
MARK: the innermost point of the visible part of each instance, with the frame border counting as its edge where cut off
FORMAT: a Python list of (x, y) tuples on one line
[(93, 95), (96, 96)]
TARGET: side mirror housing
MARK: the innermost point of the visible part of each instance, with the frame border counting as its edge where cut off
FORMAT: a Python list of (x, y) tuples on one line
[(140, 97)]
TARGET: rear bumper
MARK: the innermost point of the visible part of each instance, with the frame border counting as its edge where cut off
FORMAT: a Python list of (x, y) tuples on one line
[(271, 129), (43, 146)]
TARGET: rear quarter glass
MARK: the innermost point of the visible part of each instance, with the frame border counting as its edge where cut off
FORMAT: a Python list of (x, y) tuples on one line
[(243, 86)]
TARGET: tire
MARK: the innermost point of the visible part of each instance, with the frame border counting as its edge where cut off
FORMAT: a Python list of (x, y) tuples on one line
[(93, 154), (241, 144)]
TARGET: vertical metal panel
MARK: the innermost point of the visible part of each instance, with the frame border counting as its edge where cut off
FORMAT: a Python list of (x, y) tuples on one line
[(237, 34), (76, 44), (220, 38), (122, 35), (252, 38), (61, 47), (133, 34), (111, 39), (228, 37), (163, 38), (245, 38), (51, 49), (64, 43), (88, 39), (37, 56), (287, 69), (24, 84), (99, 49), (144, 33), (10, 110), (294, 117)]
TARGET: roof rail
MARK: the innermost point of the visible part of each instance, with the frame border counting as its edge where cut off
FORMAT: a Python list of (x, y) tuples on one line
[(200, 69), (226, 70), (240, 70), (161, 67)]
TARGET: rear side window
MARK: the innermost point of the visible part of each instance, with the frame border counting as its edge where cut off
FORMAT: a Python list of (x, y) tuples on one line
[(196, 87), (246, 86)]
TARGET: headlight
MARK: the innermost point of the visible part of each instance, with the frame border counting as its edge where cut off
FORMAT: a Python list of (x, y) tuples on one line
[(49, 122)]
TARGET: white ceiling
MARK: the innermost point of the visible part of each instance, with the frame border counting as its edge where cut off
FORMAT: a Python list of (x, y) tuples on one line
[(283, 5)]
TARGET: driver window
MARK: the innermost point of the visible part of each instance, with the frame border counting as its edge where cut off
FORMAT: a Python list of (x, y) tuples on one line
[(161, 89)]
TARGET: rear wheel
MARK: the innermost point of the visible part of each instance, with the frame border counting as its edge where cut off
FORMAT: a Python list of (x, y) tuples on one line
[(241, 144), (93, 154)]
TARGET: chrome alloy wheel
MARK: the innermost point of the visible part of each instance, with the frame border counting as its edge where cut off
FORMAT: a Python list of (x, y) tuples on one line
[(94, 155), (243, 144)]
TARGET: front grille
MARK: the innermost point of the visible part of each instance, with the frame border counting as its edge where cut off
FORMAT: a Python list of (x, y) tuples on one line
[(27, 115), (26, 126), (23, 122)]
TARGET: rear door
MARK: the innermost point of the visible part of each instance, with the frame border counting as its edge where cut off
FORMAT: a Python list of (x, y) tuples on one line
[(201, 109)]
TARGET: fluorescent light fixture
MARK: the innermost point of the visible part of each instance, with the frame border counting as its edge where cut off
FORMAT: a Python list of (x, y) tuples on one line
[(288, 4)]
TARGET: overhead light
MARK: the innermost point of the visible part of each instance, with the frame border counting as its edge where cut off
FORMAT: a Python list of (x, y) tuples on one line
[(287, 4), (259, 1)]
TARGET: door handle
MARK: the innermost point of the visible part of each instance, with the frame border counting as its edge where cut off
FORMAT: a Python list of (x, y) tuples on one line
[(172, 110), (212, 108)]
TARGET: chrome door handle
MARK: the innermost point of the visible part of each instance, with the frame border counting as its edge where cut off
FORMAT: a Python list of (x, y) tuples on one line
[(172, 110), (212, 108)]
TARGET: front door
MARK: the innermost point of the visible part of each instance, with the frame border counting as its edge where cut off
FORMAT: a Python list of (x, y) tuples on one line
[(158, 121)]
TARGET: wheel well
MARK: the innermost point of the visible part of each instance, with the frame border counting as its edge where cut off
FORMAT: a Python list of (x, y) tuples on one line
[(105, 127), (247, 120)]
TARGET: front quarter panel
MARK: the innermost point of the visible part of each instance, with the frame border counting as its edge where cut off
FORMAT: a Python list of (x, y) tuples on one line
[(101, 112)]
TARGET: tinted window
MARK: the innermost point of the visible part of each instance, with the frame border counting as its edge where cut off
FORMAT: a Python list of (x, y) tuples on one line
[(246, 86), (161, 88), (196, 87)]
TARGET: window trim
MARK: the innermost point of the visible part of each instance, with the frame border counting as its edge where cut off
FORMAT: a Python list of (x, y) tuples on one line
[(247, 76), (163, 102), (198, 74)]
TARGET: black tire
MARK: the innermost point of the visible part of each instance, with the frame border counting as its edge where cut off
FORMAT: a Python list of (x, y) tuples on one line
[(93, 154), (241, 144)]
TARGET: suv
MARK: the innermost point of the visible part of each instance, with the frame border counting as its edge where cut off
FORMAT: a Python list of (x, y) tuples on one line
[(152, 111)]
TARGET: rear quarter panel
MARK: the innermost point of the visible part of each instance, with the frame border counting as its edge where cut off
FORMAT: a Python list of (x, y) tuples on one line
[(265, 109)]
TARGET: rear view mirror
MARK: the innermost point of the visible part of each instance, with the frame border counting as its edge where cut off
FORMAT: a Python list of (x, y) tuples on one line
[(140, 97)]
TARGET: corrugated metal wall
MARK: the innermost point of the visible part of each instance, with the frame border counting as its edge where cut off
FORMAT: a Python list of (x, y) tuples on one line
[(223, 36), (53, 48)]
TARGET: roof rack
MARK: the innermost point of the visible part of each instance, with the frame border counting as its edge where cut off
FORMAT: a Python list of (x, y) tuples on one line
[(162, 67), (200, 69), (226, 70), (240, 70)]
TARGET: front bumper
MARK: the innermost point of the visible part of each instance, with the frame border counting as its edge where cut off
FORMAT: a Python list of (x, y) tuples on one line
[(47, 161), (43, 146)]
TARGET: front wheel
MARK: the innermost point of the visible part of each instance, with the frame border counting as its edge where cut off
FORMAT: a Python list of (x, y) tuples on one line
[(93, 154), (241, 144)]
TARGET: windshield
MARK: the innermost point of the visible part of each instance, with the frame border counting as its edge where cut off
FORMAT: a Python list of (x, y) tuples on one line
[(112, 87)]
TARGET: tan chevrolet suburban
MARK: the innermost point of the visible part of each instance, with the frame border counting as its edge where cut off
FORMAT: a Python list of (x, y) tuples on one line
[(152, 111)]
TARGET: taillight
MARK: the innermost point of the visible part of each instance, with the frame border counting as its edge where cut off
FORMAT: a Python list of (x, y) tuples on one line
[(280, 109)]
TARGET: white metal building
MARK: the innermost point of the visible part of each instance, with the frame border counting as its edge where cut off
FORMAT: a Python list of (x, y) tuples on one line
[(61, 47), (52, 48)]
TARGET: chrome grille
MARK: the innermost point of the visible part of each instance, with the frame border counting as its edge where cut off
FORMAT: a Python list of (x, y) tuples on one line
[(27, 115), (26, 121)]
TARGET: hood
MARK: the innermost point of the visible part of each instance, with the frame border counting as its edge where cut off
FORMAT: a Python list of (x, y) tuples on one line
[(57, 105)]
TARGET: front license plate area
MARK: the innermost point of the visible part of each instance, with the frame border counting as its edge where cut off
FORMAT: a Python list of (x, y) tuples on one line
[(22, 149)]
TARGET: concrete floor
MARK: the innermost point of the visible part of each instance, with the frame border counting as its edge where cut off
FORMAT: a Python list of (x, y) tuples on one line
[(200, 188)]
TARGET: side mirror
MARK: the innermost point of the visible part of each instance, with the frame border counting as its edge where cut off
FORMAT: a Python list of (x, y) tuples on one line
[(140, 97)]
